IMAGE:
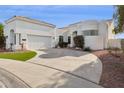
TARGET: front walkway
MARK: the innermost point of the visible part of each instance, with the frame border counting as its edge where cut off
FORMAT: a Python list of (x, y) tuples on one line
[(52, 68)]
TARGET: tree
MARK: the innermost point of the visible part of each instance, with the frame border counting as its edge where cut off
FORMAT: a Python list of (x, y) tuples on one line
[(2, 38), (119, 18)]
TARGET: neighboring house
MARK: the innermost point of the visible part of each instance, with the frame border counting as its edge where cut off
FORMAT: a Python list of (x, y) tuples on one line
[(96, 33), (22, 32)]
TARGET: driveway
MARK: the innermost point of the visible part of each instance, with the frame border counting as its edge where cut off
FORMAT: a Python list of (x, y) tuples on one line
[(61, 68), (81, 64)]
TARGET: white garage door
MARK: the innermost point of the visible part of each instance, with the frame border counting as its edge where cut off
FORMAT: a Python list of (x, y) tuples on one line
[(38, 42)]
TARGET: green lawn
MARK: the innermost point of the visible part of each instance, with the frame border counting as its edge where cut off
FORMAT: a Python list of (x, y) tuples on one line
[(20, 55)]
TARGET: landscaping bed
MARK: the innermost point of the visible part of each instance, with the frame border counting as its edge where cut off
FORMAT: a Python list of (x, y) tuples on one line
[(113, 69), (18, 55)]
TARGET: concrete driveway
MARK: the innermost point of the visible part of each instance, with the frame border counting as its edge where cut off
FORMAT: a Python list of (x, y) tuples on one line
[(81, 64), (61, 68)]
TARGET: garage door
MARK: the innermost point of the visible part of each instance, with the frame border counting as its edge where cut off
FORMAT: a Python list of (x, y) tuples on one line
[(38, 42)]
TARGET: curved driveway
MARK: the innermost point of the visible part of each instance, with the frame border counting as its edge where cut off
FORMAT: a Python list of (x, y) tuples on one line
[(52, 68), (82, 64)]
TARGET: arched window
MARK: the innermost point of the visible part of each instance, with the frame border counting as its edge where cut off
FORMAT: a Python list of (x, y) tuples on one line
[(12, 37)]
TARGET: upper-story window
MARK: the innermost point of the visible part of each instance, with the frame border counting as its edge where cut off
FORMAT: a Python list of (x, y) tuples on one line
[(90, 33)]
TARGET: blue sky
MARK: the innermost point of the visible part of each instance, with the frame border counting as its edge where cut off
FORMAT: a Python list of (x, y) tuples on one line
[(60, 15)]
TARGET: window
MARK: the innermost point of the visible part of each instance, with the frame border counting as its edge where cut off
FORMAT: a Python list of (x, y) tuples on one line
[(74, 33), (69, 39), (14, 38), (90, 33), (60, 38), (19, 38)]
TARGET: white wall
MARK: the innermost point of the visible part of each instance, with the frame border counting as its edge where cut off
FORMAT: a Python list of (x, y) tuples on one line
[(94, 42), (31, 28), (25, 28), (104, 32), (7, 28), (88, 25)]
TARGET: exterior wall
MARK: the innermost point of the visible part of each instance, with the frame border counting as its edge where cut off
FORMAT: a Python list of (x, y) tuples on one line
[(111, 35), (65, 36), (103, 32), (61, 32), (7, 28), (99, 41), (80, 27), (26, 28), (94, 42), (88, 25), (31, 28), (106, 28)]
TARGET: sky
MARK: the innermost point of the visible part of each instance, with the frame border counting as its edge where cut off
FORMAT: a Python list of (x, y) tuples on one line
[(61, 15)]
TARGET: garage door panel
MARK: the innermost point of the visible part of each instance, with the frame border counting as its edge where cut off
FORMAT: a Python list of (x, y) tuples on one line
[(38, 42)]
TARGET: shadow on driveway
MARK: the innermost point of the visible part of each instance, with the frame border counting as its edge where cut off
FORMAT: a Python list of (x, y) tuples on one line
[(56, 53)]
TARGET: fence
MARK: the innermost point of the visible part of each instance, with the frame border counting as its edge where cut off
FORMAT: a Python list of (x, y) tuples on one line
[(116, 43)]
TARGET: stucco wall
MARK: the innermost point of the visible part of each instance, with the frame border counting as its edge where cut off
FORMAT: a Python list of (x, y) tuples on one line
[(31, 28), (83, 26), (27, 28), (94, 42), (7, 28), (88, 25)]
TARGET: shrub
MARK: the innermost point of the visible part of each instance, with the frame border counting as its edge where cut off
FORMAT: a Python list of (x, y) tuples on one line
[(79, 41), (122, 44), (62, 44), (87, 49), (115, 51)]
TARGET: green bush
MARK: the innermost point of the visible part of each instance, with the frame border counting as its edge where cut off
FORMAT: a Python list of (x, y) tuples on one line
[(87, 49), (122, 43), (2, 38), (62, 44), (79, 41)]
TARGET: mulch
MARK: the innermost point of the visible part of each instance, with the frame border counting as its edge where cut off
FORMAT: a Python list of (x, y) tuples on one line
[(113, 69)]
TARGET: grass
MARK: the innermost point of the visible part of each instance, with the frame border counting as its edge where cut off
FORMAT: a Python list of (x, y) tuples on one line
[(20, 55)]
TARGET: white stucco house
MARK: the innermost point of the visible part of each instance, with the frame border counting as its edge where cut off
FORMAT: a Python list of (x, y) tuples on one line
[(96, 33), (34, 34)]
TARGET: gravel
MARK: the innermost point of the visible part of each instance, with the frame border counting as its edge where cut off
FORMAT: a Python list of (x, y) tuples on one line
[(113, 69)]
